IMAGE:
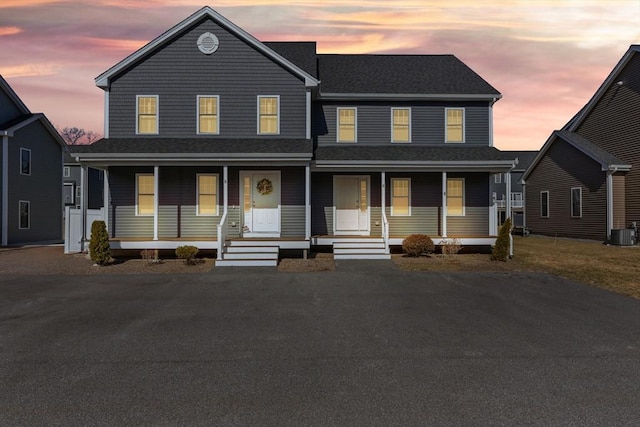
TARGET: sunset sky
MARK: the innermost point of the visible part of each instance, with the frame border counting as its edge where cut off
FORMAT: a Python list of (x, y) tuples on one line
[(546, 57)]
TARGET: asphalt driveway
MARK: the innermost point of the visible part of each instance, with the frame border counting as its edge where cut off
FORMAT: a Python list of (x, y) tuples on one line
[(366, 344)]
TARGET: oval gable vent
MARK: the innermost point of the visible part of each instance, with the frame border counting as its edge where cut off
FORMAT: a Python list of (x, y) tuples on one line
[(208, 43)]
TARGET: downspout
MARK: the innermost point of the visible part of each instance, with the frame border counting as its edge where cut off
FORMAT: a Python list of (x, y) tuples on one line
[(610, 173), (491, 121), (5, 190)]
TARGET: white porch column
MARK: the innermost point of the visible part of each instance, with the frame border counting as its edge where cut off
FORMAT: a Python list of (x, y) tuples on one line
[(156, 187), (5, 190), (383, 180), (307, 202), (105, 197), (507, 181), (444, 204), (84, 194), (225, 189)]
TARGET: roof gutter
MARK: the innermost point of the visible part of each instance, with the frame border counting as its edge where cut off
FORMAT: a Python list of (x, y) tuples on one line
[(336, 96)]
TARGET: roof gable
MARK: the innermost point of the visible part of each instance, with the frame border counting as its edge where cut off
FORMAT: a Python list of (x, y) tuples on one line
[(13, 97), (103, 80)]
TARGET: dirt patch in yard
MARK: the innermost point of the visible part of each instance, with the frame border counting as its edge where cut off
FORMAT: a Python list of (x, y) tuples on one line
[(316, 262)]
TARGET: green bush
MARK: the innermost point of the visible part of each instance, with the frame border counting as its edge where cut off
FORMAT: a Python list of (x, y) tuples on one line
[(502, 247), (417, 244), (187, 253), (99, 249)]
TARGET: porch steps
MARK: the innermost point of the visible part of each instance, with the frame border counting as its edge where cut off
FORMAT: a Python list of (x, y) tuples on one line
[(249, 254), (359, 248)]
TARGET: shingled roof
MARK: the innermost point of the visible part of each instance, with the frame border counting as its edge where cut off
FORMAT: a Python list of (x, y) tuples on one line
[(303, 54)]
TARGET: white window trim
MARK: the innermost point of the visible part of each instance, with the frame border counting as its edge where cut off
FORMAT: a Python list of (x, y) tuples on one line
[(66, 172), (548, 204), (497, 178), (446, 126), (464, 197), (217, 213), (137, 194), (258, 115), (401, 108), (571, 202), (30, 161), (355, 124), (20, 202), (409, 196), (157, 97), (217, 97)]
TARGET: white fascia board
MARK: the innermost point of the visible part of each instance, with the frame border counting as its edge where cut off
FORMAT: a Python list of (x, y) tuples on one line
[(190, 156), (617, 168), (408, 97), (102, 80), (481, 166)]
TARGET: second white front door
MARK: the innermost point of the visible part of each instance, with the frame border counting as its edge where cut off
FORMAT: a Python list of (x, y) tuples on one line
[(261, 202), (351, 201)]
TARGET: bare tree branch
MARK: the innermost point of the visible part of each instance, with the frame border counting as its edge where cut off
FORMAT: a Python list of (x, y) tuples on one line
[(76, 136)]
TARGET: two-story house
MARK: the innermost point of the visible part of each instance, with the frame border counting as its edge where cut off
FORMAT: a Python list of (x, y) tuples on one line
[(516, 193), (30, 173), (585, 182), (216, 139)]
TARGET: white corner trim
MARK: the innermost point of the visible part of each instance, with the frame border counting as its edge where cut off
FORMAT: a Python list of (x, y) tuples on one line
[(5, 190)]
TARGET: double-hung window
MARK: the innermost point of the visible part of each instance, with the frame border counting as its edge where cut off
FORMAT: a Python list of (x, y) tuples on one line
[(24, 215), (25, 161), (544, 204), (455, 124), (347, 124), (145, 194), (400, 196), (455, 196), (400, 125), (207, 188), (66, 172), (576, 202), (147, 112), (208, 122), (268, 115)]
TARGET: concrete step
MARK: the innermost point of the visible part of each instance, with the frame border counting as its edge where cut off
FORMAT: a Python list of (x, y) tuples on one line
[(246, 249), (361, 256), (247, 263), (359, 240), (350, 245), (250, 255), (251, 242), (343, 251)]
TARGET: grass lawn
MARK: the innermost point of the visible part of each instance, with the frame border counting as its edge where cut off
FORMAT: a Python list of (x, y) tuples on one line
[(616, 268)]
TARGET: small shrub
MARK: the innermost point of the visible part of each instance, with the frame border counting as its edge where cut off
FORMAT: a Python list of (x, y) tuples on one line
[(187, 253), (450, 246), (417, 244), (150, 256), (502, 247), (99, 249)]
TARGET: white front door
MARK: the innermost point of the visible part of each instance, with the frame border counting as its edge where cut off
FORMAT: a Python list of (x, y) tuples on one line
[(261, 203), (351, 201)]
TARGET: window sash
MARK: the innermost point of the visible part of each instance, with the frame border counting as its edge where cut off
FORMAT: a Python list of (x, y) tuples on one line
[(145, 194), (208, 107), (268, 115), (347, 124), (401, 126), (25, 161), (455, 197), (455, 124), (576, 202), (24, 215), (400, 197), (147, 115), (207, 194)]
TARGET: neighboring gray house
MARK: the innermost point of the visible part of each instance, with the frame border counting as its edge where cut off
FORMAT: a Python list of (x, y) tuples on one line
[(586, 180), (499, 191), (216, 139), (72, 188), (30, 174)]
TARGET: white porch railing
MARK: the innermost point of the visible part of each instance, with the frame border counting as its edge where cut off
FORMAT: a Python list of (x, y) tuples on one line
[(222, 235), (516, 201), (385, 232)]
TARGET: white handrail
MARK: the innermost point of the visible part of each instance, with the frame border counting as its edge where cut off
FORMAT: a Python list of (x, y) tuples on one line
[(222, 235), (385, 232)]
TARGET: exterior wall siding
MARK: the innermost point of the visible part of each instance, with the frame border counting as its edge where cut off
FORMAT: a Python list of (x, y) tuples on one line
[(613, 125), (42, 188), (619, 201), (562, 168), (9, 110), (475, 221), (178, 72), (426, 203), (427, 122)]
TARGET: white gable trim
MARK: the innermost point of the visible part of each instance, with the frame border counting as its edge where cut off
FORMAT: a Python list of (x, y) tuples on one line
[(103, 80)]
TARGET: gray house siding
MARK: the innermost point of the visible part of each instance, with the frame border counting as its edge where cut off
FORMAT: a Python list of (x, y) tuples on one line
[(96, 185), (614, 125), (427, 122), (426, 202), (562, 168), (41, 189), (475, 221), (178, 72), (123, 220), (9, 110)]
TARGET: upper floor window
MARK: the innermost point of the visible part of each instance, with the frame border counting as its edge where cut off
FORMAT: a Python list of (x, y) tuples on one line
[(208, 114), (66, 171), (544, 204), (268, 115), (207, 194), (455, 196), (401, 125), (147, 112), (347, 124), (455, 124), (145, 194), (25, 161), (400, 196), (576, 202)]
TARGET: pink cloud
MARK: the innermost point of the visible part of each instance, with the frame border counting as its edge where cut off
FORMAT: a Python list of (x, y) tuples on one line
[(9, 31)]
